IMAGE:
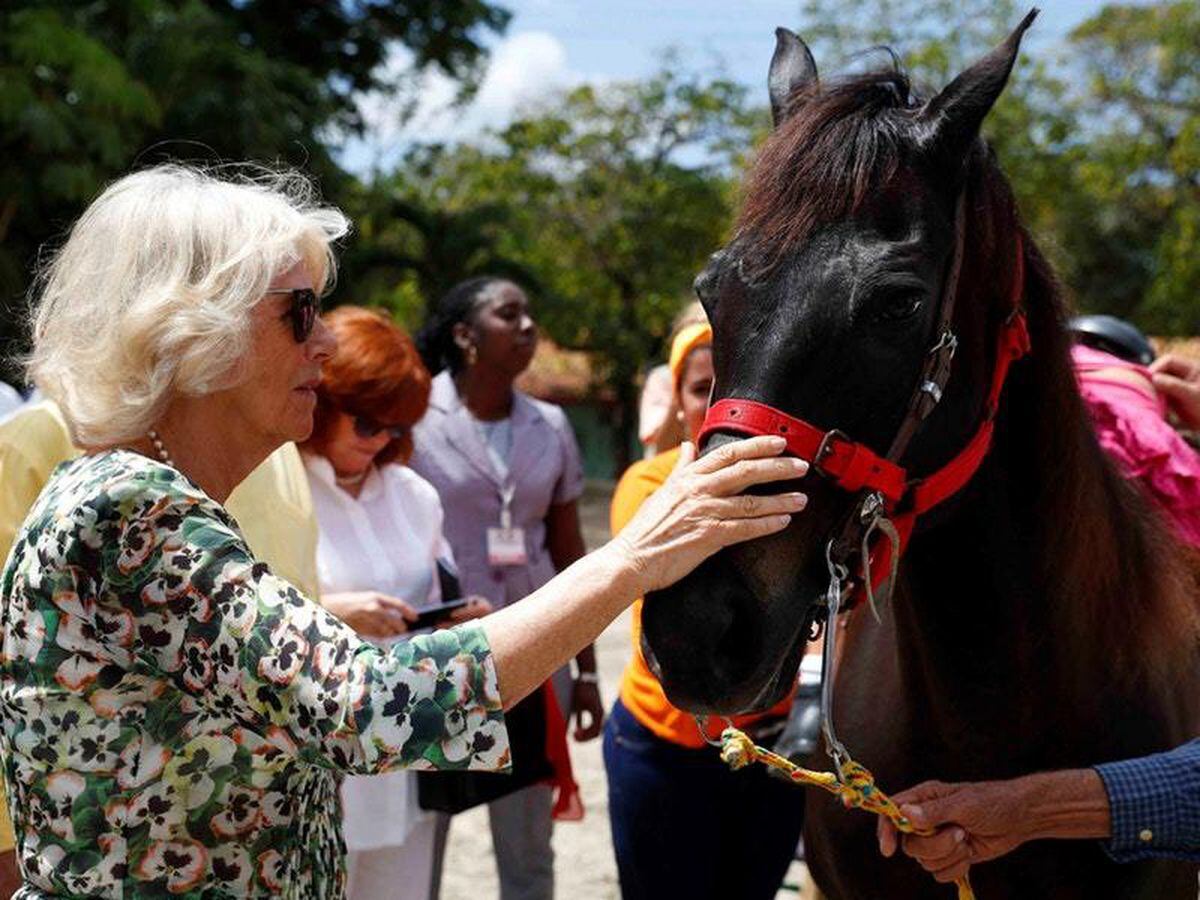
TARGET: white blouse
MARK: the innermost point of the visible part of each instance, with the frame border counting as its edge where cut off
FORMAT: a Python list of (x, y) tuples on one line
[(388, 539)]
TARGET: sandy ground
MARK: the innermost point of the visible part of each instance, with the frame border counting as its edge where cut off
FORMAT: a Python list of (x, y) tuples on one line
[(584, 866)]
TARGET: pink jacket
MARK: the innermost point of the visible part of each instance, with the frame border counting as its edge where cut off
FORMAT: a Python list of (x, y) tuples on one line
[(1130, 421)]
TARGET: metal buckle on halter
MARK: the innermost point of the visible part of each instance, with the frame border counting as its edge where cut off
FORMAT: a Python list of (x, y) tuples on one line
[(702, 725), (947, 341), (825, 448), (872, 506), (931, 388)]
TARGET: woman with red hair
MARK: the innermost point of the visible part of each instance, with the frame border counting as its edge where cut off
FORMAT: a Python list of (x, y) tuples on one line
[(377, 555)]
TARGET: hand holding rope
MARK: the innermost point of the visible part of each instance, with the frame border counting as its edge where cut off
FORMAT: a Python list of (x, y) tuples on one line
[(856, 788)]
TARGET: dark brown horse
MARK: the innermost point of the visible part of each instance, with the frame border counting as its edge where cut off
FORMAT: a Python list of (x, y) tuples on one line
[(1043, 616)]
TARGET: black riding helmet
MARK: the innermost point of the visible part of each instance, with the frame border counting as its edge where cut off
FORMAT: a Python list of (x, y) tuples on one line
[(1113, 335)]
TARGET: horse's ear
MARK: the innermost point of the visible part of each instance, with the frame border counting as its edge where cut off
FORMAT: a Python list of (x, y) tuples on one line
[(955, 115), (792, 65)]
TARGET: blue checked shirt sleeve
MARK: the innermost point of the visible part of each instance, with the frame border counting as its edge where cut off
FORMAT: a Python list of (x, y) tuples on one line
[(1155, 805)]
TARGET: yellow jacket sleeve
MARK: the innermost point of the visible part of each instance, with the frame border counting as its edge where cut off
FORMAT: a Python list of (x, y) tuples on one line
[(640, 480), (274, 509), (273, 505), (33, 441)]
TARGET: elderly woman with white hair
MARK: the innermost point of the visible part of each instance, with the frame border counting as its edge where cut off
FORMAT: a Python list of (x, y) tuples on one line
[(172, 714)]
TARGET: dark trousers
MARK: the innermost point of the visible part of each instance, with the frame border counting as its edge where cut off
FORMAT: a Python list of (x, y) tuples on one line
[(684, 825)]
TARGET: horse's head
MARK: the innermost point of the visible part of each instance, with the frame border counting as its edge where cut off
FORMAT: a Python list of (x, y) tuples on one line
[(825, 306)]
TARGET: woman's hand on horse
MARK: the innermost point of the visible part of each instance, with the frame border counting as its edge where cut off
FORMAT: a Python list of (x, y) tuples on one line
[(1178, 379), (701, 508)]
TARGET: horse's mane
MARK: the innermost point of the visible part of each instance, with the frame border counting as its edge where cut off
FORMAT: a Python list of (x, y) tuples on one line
[(1120, 590)]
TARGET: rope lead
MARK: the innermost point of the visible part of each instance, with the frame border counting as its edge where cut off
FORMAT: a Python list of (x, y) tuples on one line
[(857, 791)]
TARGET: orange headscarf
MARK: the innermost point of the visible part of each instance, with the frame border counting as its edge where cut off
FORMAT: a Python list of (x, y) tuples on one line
[(691, 337)]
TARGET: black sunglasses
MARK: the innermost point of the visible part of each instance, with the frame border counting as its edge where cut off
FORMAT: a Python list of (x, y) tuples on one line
[(306, 306), (366, 427)]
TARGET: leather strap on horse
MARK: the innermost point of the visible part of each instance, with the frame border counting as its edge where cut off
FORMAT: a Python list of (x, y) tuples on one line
[(852, 467), (923, 495), (935, 374)]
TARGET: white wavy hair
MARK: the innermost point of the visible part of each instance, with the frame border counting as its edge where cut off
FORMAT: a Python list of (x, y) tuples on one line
[(150, 296)]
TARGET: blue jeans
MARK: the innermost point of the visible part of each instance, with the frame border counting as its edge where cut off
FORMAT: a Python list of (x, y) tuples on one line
[(685, 825)]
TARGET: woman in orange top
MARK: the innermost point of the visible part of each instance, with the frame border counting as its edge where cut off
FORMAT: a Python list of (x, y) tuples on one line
[(679, 816)]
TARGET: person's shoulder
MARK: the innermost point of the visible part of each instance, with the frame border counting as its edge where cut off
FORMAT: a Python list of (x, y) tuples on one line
[(402, 478), (415, 498), (443, 397), (551, 412), (39, 433), (122, 490), (552, 415), (285, 459), (638, 482), (281, 476), (654, 471), (432, 426), (135, 482)]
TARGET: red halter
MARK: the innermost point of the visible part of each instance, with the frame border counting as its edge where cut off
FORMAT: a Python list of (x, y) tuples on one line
[(855, 467)]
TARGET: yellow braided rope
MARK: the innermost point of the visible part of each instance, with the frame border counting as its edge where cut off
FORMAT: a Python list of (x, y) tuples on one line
[(858, 790)]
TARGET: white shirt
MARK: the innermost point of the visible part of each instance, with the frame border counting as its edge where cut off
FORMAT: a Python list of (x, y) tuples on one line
[(497, 437), (388, 539), (10, 400)]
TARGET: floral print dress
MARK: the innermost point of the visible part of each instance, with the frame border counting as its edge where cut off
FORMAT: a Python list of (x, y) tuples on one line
[(173, 717)]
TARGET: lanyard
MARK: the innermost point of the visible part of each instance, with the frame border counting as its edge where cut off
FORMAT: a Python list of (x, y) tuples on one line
[(506, 497)]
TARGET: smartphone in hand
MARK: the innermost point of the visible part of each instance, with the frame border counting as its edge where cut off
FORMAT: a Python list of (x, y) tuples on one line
[(428, 618)]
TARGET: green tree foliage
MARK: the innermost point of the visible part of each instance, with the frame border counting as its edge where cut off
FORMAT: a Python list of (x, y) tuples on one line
[(604, 202), (1142, 100), (444, 214), (625, 220), (935, 38), (619, 193), (88, 90), (70, 115), (628, 190)]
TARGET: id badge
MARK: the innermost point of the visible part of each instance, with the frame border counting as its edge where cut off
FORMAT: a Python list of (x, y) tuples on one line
[(506, 547)]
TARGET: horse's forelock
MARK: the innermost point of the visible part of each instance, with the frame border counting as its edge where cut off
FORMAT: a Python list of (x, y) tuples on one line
[(841, 141)]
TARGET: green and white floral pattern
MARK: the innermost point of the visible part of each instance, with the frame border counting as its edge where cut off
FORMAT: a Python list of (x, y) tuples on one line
[(173, 717)]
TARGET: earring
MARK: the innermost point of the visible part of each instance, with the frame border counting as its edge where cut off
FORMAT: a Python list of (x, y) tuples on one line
[(679, 415), (472, 355)]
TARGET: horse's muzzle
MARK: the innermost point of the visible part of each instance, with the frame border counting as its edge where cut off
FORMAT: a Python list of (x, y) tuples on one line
[(716, 647)]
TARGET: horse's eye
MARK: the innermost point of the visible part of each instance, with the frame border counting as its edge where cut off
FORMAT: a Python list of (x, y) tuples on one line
[(898, 306)]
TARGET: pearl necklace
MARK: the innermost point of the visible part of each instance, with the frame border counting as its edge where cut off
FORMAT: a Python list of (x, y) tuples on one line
[(160, 449), (351, 480)]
